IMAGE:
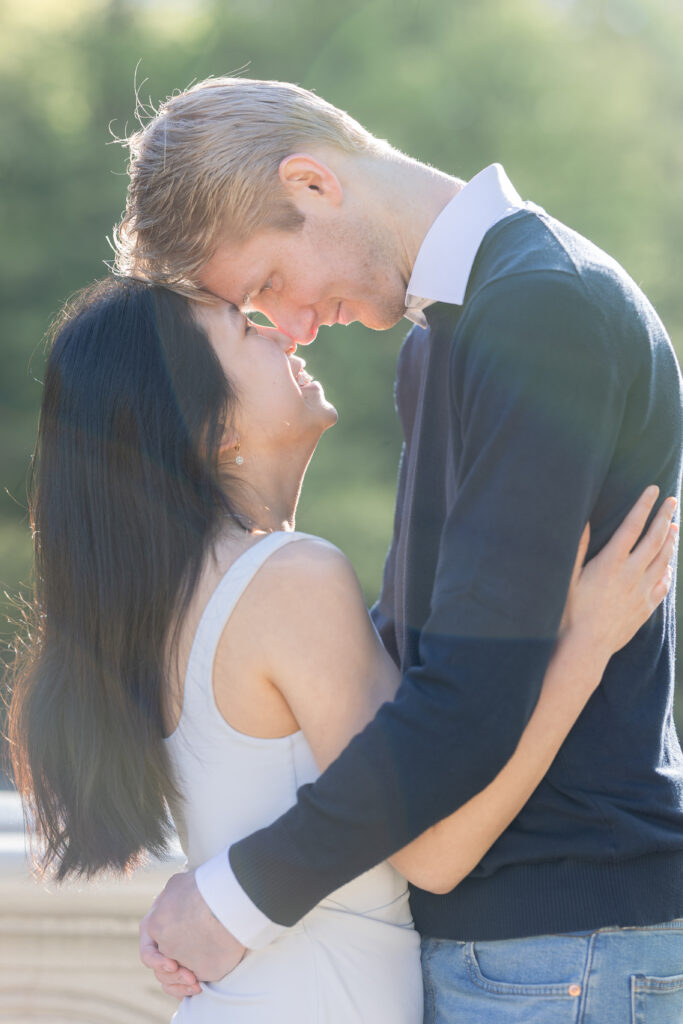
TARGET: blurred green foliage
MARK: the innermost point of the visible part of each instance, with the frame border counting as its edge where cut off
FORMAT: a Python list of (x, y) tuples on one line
[(580, 99)]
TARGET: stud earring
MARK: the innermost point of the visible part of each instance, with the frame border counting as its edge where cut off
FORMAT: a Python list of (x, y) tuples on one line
[(239, 459)]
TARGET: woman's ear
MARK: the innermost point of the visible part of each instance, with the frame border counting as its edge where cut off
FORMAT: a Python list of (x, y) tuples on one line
[(307, 179), (229, 446)]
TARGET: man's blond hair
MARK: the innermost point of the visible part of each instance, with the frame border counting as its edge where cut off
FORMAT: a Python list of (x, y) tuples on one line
[(204, 170)]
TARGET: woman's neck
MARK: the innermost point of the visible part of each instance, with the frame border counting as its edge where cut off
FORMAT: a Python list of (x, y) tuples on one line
[(268, 489)]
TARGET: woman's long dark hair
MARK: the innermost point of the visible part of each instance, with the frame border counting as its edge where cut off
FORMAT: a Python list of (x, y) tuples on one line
[(125, 497)]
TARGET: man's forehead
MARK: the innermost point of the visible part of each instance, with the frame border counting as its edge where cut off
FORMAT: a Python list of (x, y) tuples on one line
[(234, 272)]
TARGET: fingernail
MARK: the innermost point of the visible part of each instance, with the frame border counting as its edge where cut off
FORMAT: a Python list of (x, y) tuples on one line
[(652, 491)]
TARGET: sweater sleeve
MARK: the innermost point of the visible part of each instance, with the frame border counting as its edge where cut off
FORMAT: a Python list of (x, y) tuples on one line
[(537, 401)]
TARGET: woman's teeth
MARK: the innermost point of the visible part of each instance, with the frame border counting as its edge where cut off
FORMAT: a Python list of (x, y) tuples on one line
[(303, 378)]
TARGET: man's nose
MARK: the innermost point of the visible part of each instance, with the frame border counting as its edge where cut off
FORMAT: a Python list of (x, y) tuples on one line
[(299, 324)]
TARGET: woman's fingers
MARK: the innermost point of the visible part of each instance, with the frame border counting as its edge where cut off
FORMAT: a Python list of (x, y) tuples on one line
[(660, 586), (660, 590), (617, 591), (659, 566), (581, 553), (576, 573), (626, 536), (651, 544)]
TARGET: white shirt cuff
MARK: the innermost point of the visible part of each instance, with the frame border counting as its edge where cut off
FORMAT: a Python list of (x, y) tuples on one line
[(228, 902)]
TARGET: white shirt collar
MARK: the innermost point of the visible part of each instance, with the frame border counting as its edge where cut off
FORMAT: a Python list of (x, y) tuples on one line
[(445, 258)]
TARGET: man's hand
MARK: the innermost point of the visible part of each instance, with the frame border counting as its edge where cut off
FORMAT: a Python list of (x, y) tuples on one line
[(181, 940), (175, 980)]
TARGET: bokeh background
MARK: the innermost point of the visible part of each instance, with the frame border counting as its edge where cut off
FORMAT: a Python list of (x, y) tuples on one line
[(581, 100)]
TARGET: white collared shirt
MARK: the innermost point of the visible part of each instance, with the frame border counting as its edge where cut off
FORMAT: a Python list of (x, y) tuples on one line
[(445, 258)]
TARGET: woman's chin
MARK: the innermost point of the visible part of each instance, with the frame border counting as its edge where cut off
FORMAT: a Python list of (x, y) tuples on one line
[(326, 414), (332, 416)]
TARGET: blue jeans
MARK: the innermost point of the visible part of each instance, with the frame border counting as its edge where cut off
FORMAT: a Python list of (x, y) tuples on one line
[(609, 976)]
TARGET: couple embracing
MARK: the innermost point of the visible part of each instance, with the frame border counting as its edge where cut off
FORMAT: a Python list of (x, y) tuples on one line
[(500, 736)]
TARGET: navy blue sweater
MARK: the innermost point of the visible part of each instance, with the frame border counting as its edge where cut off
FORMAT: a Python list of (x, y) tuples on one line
[(550, 398)]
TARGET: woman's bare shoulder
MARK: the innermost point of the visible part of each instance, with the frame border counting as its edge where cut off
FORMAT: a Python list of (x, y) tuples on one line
[(309, 564), (304, 588)]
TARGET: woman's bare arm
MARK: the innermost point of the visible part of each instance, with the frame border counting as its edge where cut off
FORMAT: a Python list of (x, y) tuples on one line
[(323, 654)]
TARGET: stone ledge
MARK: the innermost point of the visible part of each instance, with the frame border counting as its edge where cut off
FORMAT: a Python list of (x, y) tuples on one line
[(69, 953), (71, 1006)]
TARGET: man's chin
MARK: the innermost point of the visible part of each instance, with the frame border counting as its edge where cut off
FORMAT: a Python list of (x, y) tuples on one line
[(382, 320)]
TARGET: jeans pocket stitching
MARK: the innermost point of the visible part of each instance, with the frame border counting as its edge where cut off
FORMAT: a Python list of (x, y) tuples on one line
[(507, 988), (643, 983), (643, 987)]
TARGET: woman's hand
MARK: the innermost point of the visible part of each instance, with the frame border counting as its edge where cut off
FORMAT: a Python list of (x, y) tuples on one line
[(615, 593)]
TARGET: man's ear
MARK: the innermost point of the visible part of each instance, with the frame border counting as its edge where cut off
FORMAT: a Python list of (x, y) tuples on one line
[(307, 179)]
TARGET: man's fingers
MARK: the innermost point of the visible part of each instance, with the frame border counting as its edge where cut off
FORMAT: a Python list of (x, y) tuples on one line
[(154, 958), (626, 536), (180, 976), (171, 990), (151, 955), (180, 991), (178, 983), (657, 535)]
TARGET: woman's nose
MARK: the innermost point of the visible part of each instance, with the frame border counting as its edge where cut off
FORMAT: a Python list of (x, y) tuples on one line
[(282, 339)]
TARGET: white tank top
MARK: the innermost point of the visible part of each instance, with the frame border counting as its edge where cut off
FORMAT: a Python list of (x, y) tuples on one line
[(355, 957)]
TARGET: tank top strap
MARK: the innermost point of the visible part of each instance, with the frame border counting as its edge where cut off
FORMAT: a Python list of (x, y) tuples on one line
[(222, 602)]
